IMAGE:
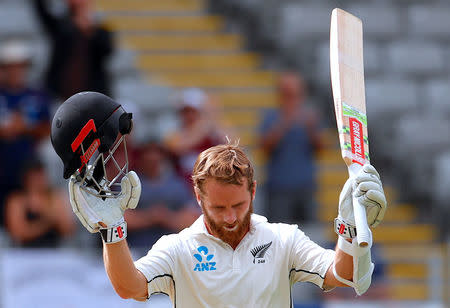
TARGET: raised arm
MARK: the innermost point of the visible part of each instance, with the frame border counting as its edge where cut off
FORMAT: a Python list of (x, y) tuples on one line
[(105, 215), (127, 281), (49, 21), (352, 264)]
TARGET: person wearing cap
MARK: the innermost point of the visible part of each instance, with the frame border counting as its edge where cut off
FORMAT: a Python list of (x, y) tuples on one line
[(24, 114), (198, 130)]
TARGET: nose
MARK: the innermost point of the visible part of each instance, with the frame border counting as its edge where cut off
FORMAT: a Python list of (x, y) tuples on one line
[(230, 217)]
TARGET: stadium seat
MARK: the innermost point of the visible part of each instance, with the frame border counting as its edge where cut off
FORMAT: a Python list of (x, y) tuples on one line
[(298, 21), (390, 96), (438, 95), (429, 21), (151, 99), (122, 63), (415, 58), (198, 62), (172, 6), (378, 21), (441, 183), (183, 43)]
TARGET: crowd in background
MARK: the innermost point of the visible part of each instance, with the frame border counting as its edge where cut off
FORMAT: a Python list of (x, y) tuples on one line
[(34, 207)]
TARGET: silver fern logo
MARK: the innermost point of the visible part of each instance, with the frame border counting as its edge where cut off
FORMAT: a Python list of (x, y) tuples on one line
[(259, 251)]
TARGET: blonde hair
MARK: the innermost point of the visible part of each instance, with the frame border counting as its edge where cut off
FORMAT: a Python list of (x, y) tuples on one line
[(226, 163)]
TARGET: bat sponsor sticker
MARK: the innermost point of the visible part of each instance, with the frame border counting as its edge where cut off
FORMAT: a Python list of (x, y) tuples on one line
[(357, 141)]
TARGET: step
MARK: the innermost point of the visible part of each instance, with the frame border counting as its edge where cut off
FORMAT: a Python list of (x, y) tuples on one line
[(181, 24), (407, 271), (417, 233), (329, 177), (410, 252), (259, 157), (330, 138), (183, 42), (250, 99), (394, 214), (397, 233), (400, 213), (330, 157), (198, 62), (328, 197), (409, 291), (217, 79), (241, 119), (246, 138), (179, 6)]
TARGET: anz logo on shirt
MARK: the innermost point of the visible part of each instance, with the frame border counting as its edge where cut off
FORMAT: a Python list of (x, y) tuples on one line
[(204, 260)]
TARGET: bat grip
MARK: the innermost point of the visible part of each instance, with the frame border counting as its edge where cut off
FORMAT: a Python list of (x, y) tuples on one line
[(363, 234)]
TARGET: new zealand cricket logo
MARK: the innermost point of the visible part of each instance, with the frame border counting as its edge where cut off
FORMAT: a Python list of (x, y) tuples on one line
[(259, 251)]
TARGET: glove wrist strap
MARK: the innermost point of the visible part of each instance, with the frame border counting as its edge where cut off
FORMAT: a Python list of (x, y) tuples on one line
[(114, 234), (343, 229)]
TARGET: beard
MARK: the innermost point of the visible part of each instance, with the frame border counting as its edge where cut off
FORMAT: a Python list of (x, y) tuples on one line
[(230, 237)]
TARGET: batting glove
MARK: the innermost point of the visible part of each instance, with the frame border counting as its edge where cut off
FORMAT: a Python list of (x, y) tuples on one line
[(105, 215), (367, 188)]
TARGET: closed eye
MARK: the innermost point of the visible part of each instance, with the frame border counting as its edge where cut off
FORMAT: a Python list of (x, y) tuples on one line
[(222, 207)]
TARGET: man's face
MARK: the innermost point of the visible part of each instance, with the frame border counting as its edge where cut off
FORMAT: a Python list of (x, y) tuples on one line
[(152, 160), (291, 89), (15, 75), (227, 209), (189, 115)]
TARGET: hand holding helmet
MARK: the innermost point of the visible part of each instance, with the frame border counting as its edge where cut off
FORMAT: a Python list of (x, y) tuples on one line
[(105, 214), (87, 129)]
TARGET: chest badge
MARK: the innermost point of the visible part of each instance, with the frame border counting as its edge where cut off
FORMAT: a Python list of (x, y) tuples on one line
[(204, 259), (258, 253)]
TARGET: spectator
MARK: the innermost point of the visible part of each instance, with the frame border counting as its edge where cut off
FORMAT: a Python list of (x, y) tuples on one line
[(2, 77), (24, 115), (197, 132), (166, 204), (37, 215), (289, 138), (79, 52)]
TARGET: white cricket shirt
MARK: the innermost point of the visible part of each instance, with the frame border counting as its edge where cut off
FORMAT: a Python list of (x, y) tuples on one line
[(197, 269)]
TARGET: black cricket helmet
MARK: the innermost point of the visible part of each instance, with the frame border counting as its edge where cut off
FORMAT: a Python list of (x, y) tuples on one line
[(86, 131)]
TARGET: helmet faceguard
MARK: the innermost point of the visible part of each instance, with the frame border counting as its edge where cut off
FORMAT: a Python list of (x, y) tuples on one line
[(87, 131), (94, 176)]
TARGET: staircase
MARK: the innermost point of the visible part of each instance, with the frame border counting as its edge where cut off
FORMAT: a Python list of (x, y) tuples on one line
[(180, 45)]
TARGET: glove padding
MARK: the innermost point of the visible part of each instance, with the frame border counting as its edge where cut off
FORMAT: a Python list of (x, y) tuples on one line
[(367, 188), (95, 213)]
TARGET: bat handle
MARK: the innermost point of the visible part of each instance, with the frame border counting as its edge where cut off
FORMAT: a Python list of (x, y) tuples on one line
[(363, 233)]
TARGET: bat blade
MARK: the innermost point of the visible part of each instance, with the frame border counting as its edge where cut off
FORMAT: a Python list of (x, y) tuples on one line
[(347, 79)]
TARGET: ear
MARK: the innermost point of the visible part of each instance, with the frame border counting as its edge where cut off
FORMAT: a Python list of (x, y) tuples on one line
[(197, 195), (254, 190)]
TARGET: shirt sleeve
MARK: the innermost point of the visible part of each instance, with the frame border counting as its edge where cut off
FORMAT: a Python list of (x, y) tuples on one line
[(309, 261), (158, 267)]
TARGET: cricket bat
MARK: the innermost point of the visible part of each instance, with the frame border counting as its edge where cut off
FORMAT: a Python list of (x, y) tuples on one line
[(347, 79)]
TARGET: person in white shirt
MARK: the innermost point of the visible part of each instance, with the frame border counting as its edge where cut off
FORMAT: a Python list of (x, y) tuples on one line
[(229, 257)]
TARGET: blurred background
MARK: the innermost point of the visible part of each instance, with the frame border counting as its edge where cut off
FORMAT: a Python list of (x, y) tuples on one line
[(195, 71)]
